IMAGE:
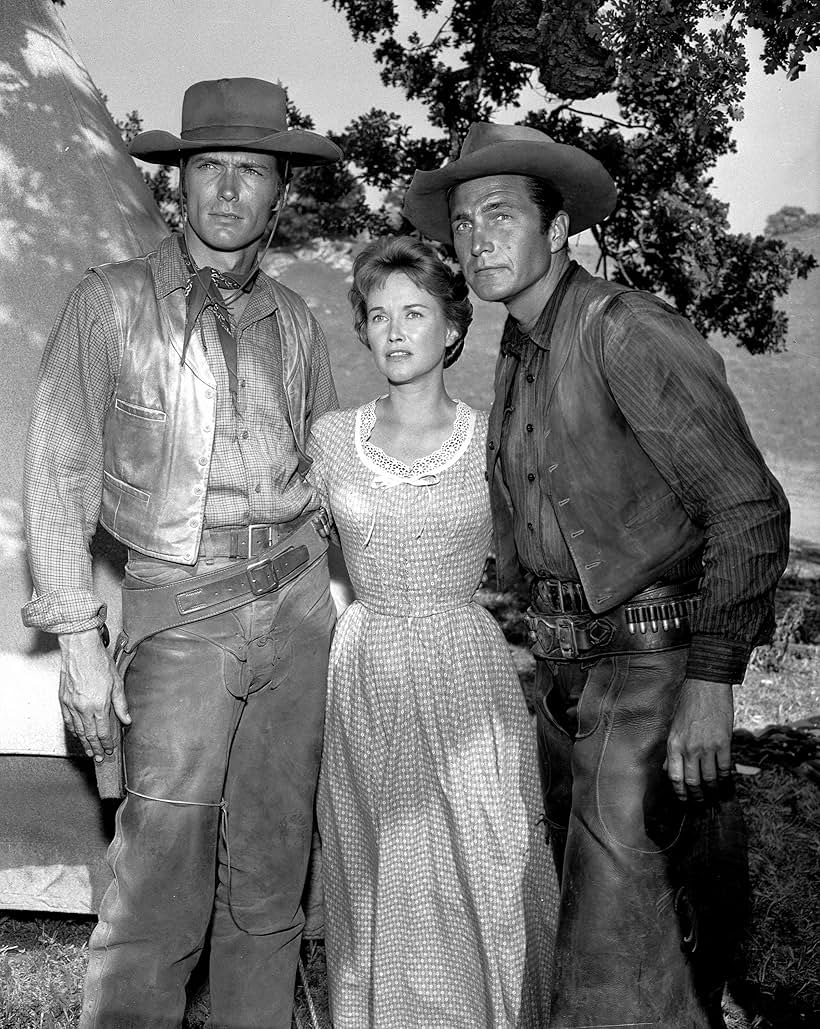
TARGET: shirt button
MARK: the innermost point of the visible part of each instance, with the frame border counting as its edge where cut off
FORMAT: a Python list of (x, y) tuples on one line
[(529, 428), (257, 488), (245, 434), (530, 377), (203, 461), (242, 383), (530, 526), (530, 477), (491, 445), (197, 490)]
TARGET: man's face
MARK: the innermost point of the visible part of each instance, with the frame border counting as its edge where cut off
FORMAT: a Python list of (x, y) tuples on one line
[(229, 197), (498, 237)]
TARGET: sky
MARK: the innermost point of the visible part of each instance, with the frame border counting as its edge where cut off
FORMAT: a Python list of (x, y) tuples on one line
[(144, 53)]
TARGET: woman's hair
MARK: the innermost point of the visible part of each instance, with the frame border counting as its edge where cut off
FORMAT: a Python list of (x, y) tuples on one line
[(422, 265)]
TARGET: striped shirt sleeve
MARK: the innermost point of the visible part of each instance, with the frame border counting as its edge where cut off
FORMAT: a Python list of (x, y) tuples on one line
[(671, 387)]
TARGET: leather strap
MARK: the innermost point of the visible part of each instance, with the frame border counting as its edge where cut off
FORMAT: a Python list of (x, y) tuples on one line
[(244, 541), (655, 619), (152, 609)]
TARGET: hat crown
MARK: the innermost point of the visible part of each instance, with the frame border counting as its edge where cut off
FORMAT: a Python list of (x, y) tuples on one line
[(224, 107), (482, 134)]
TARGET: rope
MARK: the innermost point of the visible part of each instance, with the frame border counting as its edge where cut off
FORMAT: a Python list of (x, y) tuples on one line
[(314, 1021)]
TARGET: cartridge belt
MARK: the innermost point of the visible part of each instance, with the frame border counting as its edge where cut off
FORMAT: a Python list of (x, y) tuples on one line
[(563, 628)]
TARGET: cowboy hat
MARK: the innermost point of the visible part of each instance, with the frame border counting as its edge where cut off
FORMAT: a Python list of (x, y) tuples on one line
[(585, 186), (235, 114)]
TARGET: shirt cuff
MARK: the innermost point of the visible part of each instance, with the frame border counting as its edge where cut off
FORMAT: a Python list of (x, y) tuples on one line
[(717, 660), (64, 610)]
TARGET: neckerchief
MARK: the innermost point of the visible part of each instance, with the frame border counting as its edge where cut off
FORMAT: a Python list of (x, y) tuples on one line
[(202, 292)]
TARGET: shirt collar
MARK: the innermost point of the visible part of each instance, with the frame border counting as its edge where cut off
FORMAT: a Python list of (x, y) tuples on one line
[(171, 274), (514, 341)]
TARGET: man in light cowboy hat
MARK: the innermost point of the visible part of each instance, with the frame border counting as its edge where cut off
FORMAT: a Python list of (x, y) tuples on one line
[(173, 402), (626, 487)]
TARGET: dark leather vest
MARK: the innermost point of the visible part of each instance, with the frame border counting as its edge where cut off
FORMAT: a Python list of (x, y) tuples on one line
[(159, 429), (621, 521)]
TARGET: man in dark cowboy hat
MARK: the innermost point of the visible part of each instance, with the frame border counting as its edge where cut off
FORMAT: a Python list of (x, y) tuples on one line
[(173, 402), (626, 486)]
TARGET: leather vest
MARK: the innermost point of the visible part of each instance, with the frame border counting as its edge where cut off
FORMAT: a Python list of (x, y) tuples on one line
[(159, 428), (622, 523)]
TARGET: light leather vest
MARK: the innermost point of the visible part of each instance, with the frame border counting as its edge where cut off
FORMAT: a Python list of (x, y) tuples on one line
[(622, 523), (159, 429)]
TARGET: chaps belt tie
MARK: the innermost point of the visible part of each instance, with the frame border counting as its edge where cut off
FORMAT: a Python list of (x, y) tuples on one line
[(152, 609), (562, 627)]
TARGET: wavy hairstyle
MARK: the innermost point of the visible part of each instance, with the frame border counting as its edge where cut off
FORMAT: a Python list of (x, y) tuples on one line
[(422, 265)]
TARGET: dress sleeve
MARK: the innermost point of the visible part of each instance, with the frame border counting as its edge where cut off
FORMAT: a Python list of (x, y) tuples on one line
[(64, 460), (671, 387)]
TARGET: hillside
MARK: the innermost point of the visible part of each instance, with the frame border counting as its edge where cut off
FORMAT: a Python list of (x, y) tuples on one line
[(778, 392)]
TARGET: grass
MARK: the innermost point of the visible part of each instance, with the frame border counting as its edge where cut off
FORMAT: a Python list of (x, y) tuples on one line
[(42, 960)]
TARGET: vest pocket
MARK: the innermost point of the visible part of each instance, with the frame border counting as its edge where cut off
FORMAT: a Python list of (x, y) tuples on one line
[(148, 414), (124, 487)]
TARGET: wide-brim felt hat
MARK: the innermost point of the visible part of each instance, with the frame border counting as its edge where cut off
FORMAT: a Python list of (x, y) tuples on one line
[(586, 187), (235, 114)]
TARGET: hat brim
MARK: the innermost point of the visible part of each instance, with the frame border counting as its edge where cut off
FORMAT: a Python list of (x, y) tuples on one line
[(300, 146), (586, 187)]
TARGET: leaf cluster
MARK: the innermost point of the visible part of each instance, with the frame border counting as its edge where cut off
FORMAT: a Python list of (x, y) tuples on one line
[(680, 72)]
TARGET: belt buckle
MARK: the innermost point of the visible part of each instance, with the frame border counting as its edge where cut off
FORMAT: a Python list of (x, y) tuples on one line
[(551, 632), (254, 528), (261, 577), (565, 635)]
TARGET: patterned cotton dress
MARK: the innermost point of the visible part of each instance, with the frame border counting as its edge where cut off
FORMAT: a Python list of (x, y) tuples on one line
[(440, 895)]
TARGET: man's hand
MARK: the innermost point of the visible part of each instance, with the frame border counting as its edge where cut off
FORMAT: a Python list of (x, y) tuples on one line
[(90, 686), (699, 747)]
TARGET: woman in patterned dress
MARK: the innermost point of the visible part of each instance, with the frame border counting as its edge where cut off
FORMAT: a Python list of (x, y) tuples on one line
[(440, 900)]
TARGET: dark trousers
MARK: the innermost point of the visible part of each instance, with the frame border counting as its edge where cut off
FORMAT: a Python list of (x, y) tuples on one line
[(221, 764), (616, 829)]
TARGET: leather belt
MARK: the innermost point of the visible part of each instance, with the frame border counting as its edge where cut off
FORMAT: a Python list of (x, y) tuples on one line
[(152, 609), (562, 627), (244, 541)]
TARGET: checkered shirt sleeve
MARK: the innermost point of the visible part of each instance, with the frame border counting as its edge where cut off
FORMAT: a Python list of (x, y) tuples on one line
[(64, 458)]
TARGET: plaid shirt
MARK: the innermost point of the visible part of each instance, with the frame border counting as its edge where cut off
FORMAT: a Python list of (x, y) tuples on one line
[(714, 468), (253, 475)]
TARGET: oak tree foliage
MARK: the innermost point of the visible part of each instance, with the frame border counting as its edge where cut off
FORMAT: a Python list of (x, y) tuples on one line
[(678, 72)]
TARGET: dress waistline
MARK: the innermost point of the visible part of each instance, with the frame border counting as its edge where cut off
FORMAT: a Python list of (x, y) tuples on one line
[(377, 607)]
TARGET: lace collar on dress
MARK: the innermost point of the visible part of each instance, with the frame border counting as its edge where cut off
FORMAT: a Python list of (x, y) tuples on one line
[(447, 454)]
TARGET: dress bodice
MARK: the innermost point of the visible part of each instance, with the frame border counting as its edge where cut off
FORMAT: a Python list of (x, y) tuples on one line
[(415, 537)]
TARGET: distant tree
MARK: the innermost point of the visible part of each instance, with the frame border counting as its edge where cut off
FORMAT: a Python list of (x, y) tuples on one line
[(162, 180), (325, 200), (790, 219), (678, 70)]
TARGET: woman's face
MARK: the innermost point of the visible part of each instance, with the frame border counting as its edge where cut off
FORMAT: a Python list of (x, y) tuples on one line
[(406, 330)]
